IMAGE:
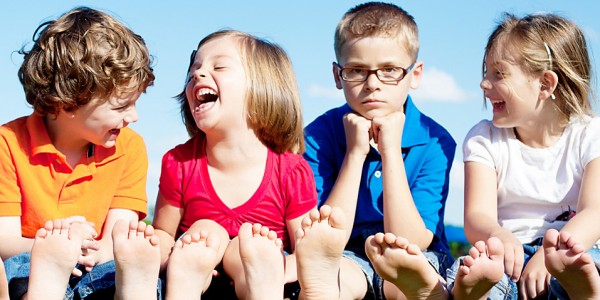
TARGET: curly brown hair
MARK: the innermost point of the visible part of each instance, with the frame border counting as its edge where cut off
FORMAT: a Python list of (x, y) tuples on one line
[(84, 54)]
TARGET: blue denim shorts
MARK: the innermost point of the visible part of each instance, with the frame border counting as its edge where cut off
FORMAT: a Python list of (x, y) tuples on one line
[(507, 289), (439, 261), (99, 283)]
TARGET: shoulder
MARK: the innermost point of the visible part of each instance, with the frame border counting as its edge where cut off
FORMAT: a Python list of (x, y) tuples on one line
[(190, 148), (129, 140), (328, 121), (288, 162), (14, 128)]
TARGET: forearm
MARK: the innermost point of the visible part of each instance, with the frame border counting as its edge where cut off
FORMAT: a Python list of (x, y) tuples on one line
[(480, 227), (344, 193), (13, 245), (585, 227), (401, 216), (291, 273)]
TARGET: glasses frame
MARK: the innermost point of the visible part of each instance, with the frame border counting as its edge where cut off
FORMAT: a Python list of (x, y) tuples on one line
[(405, 72)]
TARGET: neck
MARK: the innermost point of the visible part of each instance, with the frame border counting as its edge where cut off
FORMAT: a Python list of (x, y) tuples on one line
[(235, 150), (540, 133)]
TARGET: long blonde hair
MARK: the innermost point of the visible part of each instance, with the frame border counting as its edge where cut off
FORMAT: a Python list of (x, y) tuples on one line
[(549, 42)]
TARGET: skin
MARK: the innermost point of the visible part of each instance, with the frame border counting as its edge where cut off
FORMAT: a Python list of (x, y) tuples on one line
[(522, 101), (236, 157), (377, 121), (97, 122)]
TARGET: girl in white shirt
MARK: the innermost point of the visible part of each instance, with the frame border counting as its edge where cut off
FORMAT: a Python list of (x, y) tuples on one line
[(532, 173)]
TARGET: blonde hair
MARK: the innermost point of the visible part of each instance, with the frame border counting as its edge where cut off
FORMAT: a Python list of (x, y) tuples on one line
[(273, 105), (377, 19), (548, 42), (83, 54)]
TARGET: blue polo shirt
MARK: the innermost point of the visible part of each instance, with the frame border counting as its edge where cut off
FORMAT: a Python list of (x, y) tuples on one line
[(428, 152)]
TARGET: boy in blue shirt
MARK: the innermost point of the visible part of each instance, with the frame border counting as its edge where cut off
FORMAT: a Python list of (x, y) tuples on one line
[(382, 162)]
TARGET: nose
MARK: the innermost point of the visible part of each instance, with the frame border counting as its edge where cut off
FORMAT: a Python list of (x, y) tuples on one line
[(198, 74), (485, 84), (131, 115), (372, 82)]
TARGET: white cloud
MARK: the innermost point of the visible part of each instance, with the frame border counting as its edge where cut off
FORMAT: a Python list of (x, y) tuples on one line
[(322, 92), (437, 85), (455, 202)]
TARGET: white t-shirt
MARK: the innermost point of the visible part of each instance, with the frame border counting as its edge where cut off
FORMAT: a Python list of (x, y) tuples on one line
[(537, 187)]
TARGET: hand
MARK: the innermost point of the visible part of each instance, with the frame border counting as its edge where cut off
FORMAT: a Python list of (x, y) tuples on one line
[(535, 278), (387, 131), (513, 255), (358, 134)]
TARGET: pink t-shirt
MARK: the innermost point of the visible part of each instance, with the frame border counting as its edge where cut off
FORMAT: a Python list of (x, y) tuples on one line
[(286, 192)]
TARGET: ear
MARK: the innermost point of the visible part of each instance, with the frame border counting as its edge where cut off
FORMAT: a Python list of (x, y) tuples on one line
[(417, 73), (549, 81), (336, 76)]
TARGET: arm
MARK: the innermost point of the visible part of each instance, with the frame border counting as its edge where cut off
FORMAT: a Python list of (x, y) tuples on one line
[(401, 216), (166, 220), (481, 215), (344, 193), (12, 241), (588, 207)]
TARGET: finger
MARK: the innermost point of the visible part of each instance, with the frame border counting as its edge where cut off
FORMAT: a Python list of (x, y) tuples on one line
[(76, 272), (509, 262)]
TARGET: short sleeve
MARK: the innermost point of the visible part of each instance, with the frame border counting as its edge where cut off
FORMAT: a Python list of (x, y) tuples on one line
[(477, 146), (131, 190), (590, 141), (170, 185), (300, 190), (10, 195)]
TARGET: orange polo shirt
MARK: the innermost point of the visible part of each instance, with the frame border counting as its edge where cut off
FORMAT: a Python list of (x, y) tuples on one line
[(37, 184)]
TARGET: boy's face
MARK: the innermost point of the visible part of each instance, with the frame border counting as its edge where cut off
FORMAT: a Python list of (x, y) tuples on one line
[(100, 122), (372, 97)]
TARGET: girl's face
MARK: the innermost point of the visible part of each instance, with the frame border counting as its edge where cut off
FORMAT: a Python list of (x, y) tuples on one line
[(216, 86), (513, 93)]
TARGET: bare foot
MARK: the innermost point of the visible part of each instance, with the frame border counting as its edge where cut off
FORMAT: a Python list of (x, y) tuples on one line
[(263, 261), (319, 246), (137, 260), (404, 265), (481, 270), (191, 265), (3, 283), (54, 254), (568, 262)]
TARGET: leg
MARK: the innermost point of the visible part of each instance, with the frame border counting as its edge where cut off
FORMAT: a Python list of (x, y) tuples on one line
[(137, 260), (404, 265), (568, 262), (193, 260), (263, 262), (55, 252), (319, 246), (482, 269)]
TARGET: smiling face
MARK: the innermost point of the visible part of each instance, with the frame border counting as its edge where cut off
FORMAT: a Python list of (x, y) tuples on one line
[(216, 88), (513, 93), (100, 122), (373, 98)]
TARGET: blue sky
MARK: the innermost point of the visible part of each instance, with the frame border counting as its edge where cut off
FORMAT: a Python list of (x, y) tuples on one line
[(452, 33)]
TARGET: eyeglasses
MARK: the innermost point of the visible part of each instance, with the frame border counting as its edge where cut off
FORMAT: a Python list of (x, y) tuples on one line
[(387, 74)]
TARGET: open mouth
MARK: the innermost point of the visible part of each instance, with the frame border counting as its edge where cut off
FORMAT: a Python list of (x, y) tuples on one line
[(205, 98)]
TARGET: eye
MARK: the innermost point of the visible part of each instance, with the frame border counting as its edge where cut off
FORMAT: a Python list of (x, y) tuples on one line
[(390, 70), (356, 71)]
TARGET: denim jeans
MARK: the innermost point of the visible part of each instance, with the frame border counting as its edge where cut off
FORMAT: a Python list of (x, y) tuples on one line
[(99, 283), (355, 251), (507, 289)]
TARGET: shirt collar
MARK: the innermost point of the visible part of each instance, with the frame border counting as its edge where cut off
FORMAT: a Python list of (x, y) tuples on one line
[(41, 143), (414, 133)]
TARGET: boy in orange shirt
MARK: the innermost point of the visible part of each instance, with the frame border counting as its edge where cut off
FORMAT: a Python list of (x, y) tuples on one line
[(71, 169)]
